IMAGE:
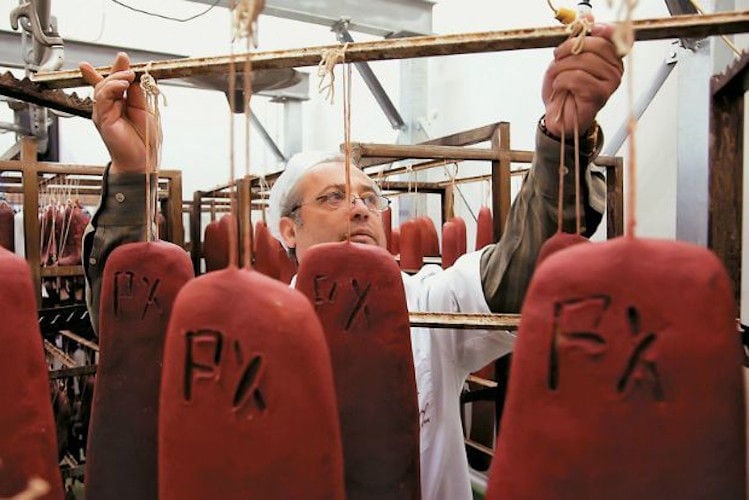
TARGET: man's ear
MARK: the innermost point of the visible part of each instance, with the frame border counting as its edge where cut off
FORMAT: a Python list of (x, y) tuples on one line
[(288, 231)]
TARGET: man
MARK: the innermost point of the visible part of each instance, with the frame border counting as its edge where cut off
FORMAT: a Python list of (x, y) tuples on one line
[(307, 207)]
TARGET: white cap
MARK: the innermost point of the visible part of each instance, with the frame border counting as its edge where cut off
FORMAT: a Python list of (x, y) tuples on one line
[(287, 181)]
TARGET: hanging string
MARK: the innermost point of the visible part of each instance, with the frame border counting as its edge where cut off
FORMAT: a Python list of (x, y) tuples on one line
[(560, 198), (576, 139), (347, 131), (247, 32), (152, 93), (326, 73), (232, 176)]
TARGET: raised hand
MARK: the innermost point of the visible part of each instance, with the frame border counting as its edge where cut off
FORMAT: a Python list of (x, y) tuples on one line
[(582, 82), (120, 115)]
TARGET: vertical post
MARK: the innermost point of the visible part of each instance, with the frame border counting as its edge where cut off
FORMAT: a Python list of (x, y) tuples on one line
[(501, 178), (175, 209), (196, 246), (31, 213)]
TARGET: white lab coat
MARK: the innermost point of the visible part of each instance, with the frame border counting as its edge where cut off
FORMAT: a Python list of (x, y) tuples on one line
[(443, 359)]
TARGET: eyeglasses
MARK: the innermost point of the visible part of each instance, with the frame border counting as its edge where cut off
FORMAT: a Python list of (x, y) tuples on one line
[(334, 200)]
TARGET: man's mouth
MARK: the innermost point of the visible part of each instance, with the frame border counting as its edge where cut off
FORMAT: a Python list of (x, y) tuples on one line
[(362, 237)]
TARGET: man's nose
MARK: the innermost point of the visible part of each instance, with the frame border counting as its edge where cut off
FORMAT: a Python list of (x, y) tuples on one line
[(358, 208)]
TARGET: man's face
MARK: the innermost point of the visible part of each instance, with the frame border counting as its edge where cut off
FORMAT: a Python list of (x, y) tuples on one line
[(322, 224)]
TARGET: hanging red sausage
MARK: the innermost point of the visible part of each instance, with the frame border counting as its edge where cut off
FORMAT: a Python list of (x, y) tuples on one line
[(395, 241), (387, 224), (139, 284), (461, 238), (627, 378), (76, 226), (216, 244), (484, 228), (559, 242), (286, 267), (247, 407), (429, 241), (7, 227), (27, 427), (358, 294), (266, 251), (449, 244), (411, 254)]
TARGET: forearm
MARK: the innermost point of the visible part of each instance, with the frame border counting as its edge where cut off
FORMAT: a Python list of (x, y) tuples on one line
[(507, 266), (120, 218)]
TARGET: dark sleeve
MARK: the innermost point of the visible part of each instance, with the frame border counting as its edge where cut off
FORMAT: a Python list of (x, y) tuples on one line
[(120, 218), (506, 267)]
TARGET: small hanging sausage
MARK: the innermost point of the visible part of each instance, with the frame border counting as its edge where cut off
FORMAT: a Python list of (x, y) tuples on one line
[(266, 252), (216, 244), (27, 426), (411, 256), (7, 227), (449, 244), (461, 238), (484, 228), (387, 225), (358, 294)]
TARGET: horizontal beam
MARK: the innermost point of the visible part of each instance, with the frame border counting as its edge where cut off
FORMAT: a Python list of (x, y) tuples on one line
[(464, 321), (422, 46)]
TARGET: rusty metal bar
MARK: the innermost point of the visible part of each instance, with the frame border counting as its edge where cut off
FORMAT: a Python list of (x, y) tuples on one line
[(694, 26), (72, 372), (465, 321)]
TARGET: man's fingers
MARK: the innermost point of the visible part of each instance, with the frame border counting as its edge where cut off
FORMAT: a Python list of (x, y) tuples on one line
[(90, 75), (121, 62)]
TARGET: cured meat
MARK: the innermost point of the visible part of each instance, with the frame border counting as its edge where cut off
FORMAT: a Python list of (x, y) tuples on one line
[(484, 228), (558, 242), (139, 285), (461, 238), (286, 267), (247, 407), (395, 248), (7, 227), (216, 244), (266, 252), (429, 241), (27, 426), (411, 254), (387, 224), (626, 379), (75, 227), (358, 294), (449, 244)]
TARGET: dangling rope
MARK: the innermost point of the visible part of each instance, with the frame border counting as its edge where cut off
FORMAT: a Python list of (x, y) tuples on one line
[(247, 31), (244, 21), (347, 132), (152, 93), (326, 73), (232, 236), (624, 40)]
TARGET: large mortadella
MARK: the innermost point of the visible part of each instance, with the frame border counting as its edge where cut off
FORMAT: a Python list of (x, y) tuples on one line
[(247, 406), (357, 291), (77, 220), (139, 285), (627, 378), (27, 428)]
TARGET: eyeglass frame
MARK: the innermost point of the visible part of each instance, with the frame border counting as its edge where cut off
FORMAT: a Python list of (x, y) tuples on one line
[(325, 201)]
